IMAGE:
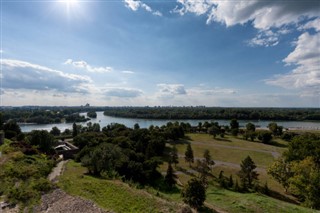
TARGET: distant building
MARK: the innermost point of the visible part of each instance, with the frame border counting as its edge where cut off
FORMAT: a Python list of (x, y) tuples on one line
[(66, 149)]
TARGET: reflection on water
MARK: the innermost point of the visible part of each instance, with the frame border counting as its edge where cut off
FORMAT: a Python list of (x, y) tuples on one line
[(145, 123)]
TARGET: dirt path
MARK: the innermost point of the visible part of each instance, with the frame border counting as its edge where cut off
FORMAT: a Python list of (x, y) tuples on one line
[(57, 171)]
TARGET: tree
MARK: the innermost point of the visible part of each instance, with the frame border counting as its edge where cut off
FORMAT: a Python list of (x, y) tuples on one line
[(74, 130), (230, 183), (189, 155), (281, 171), (174, 158), (204, 171), (11, 129), (194, 193), (247, 174), (136, 126), (234, 126), (275, 129), (306, 182), (43, 139), (92, 114), (214, 130), (55, 131), (170, 177), (208, 159), (265, 137), (250, 127)]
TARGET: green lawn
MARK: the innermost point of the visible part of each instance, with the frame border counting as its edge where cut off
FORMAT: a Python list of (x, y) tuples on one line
[(120, 197), (111, 195)]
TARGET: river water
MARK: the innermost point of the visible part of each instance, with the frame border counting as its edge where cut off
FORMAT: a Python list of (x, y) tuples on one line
[(145, 123)]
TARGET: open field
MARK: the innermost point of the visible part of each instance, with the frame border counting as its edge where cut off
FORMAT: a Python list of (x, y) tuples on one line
[(120, 197)]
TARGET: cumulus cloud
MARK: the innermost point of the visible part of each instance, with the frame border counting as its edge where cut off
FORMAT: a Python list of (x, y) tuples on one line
[(84, 65), (122, 92), (306, 58), (136, 4), (314, 24), (24, 75), (170, 90), (264, 15)]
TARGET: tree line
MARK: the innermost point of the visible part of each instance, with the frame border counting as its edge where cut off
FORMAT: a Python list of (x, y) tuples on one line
[(285, 114)]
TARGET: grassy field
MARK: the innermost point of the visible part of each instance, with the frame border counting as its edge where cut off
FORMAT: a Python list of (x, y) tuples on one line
[(120, 197), (111, 195)]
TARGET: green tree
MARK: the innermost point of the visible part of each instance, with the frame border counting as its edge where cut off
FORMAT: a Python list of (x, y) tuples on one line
[(306, 182), (214, 131), (74, 130), (170, 177), (174, 158), (136, 126), (42, 139), (92, 114), (55, 131), (194, 193), (250, 127), (11, 129), (208, 159), (275, 129), (247, 174), (189, 155), (234, 126), (265, 137), (230, 183), (281, 171)]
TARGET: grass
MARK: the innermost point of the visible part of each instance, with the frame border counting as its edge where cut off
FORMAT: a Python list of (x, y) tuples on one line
[(249, 202), (120, 197), (111, 195)]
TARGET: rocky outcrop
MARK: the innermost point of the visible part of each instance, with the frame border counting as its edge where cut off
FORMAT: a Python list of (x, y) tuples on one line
[(59, 201)]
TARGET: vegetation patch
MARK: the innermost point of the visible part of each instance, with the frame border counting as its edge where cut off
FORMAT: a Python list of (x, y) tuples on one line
[(111, 194)]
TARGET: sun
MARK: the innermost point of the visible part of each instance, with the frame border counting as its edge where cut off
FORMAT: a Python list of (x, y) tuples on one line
[(69, 3), (72, 7)]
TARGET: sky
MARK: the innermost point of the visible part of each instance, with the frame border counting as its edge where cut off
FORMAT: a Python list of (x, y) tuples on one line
[(239, 53)]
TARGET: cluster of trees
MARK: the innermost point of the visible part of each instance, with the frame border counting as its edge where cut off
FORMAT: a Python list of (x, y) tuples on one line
[(298, 170), (45, 115), (76, 117), (214, 113), (92, 114), (133, 154)]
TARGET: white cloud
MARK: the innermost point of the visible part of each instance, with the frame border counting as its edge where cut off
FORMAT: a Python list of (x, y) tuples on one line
[(84, 65), (197, 7), (314, 24), (264, 15), (306, 58), (24, 75), (171, 90), (127, 72), (122, 92), (210, 92), (265, 38), (136, 4)]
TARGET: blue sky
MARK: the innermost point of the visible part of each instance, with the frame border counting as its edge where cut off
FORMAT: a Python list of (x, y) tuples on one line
[(184, 52)]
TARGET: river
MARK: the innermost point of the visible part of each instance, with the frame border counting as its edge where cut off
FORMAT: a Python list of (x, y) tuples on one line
[(145, 123)]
